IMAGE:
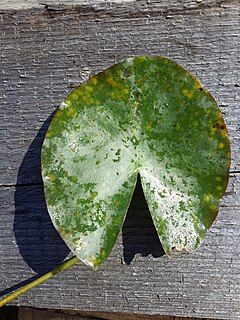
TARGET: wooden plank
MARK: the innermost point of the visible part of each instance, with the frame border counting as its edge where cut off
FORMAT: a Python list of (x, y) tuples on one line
[(45, 52), (38, 314), (163, 7), (26, 313), (201, 284)]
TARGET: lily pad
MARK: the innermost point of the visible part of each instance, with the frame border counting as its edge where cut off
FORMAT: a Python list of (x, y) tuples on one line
[(147, 116)]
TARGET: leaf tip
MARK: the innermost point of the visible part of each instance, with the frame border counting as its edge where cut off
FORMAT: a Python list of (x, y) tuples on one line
[(93, 263)]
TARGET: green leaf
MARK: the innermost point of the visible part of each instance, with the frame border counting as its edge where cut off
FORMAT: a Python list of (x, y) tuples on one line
[(147, 116)]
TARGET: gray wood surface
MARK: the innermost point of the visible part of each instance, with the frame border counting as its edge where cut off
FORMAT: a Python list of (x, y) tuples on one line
[(26, 313), (47, 50)]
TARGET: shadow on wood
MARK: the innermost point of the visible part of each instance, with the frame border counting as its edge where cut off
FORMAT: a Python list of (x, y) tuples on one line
[(39, 243), (139, 233), (18, 285), (9, 313)]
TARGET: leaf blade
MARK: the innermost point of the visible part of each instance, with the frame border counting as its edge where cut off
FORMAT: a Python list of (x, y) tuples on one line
[(144, 115)]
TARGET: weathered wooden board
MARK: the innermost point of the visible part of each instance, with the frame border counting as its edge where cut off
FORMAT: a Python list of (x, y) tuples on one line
[(47, 50), (205, 283), (26, 313), (38, 314)]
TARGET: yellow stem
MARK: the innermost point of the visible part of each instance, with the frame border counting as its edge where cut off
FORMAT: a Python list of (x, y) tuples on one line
[(15, 294)]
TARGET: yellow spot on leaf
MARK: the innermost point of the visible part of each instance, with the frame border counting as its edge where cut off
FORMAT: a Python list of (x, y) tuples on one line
[(219, 115), (80, 93), (48, 134), (117, 203), (118, 96), (148, 126), (207, 197), (219, 179), (91, 100), (213, 207), (89, 88), (52, 177), (69, 103), (58, 113), (187, 93), (219, 188), (223, 133), (87, 99), (93, 195), (221, 145), (197, 84), (112, 82), (63, 233), (75, 96), (94, 81), (71, 111), (135, 105), (73, 179), (112, 94), (103, 252)]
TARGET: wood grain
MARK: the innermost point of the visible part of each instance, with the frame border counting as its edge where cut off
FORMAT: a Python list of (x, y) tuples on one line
[(26, 313), (38, 314), (45, 52)]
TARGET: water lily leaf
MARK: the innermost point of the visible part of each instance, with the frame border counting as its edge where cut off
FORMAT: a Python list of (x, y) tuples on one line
[(147, 116)]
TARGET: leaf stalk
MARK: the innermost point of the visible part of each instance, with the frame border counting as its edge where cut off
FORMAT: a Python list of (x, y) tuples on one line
[(15, 294)]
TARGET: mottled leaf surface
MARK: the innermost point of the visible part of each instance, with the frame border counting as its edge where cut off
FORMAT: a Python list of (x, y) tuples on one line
[(147, 116)]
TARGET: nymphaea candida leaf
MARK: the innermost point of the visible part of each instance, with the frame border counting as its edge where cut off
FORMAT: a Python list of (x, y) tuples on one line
[(146, 116)]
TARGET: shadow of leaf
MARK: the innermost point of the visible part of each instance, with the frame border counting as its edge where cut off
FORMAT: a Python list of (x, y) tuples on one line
[(139, 233), (39, 243)]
